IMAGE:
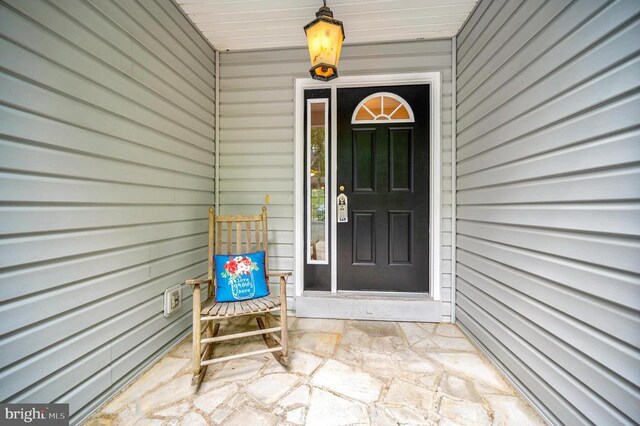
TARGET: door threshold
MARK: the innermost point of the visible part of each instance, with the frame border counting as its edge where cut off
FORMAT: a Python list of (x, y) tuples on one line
[(369, 294), (378, 306)]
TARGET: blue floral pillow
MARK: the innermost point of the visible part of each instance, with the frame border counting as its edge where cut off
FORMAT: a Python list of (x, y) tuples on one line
[(240, 277)]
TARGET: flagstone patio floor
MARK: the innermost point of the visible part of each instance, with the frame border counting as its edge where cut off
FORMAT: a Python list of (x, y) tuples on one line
[(341, 373)]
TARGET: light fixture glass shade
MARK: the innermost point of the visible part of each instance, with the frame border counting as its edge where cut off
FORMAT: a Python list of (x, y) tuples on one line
[(324, 37)]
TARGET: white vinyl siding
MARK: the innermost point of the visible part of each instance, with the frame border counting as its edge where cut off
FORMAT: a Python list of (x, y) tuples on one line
[(257, 132), (106, 173), (548, 192)]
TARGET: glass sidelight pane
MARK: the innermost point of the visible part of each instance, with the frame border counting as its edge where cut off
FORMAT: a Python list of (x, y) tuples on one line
[(317, 183)]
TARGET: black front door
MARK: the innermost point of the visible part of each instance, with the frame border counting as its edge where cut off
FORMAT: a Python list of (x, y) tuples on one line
[(384, 169)]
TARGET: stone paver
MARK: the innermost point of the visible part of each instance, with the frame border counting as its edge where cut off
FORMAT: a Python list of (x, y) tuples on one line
[(341, 373), (326, 408), (346, 381)]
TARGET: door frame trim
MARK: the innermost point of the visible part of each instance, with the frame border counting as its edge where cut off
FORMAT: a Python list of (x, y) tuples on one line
[(434, 80)]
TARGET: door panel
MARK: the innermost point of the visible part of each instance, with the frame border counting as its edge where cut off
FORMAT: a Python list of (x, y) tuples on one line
[(385, 171), (400, 237), (364, 167), (364, 238), (401, 161)]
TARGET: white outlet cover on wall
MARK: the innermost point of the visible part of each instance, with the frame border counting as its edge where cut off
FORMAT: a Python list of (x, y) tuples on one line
[(172, 299)]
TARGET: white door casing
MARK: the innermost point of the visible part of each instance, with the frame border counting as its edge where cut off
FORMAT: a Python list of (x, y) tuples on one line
[(380, 306)]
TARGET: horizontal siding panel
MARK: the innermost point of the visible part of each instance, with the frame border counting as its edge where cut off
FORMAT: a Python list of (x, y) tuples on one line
[(63, 353), (622, 288), (20, 188), (503, 105), (96, 84), (187, 27), (510, 51), (32, 219), (84, 389), (150, 70), (53, 134), (604, 153), (608, 185), (18, 157), (502, 15), (266, 184), (130, 348), (604, 88), (617, 218), (21, 250), (543, 368), (162, 340), (490, 335), (50, 16), (266, 170), (86, 28), (123, 381), (282, 264), (180, 94), (106, 174), (249, 160), (256, 147), (230, 96), (62, 272), (280, 134), (471, 26), (174, 56), (182, 31), (254, 108), (94, 21), (570, 338), (595, 310), (594, 124), (60, 107), (613, 252), (256, 121), (89, 303), (283, 251), (70, 376), (149, 27), (262, 82), (548, 232)]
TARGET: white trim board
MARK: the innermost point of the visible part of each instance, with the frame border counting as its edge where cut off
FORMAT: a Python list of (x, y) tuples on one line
[(430, 303), (454, 173)]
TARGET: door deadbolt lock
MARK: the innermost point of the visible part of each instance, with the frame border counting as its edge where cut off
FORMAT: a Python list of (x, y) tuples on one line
[(341, 188)]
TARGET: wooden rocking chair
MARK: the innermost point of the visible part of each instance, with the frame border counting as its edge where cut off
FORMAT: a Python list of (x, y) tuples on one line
[(244, 234)]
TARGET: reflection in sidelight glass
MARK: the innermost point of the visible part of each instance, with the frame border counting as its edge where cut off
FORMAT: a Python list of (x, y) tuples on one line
[(317, 201)]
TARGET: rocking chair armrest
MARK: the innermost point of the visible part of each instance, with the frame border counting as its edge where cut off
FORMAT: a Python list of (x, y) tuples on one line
[(198, 282), (280, 274)]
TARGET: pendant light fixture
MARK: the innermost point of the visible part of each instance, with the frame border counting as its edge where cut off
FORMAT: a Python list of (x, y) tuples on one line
[(324, 37)]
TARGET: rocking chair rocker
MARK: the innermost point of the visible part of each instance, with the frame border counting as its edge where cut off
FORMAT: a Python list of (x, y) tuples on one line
[(250, 234)]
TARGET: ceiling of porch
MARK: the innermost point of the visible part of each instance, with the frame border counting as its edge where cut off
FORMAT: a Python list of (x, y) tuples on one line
[(263, 24)]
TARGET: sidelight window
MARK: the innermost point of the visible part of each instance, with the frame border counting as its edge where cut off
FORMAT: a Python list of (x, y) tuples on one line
[(317, 182)]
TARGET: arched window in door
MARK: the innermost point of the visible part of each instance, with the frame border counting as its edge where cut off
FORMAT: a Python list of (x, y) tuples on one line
[(382, 107)]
